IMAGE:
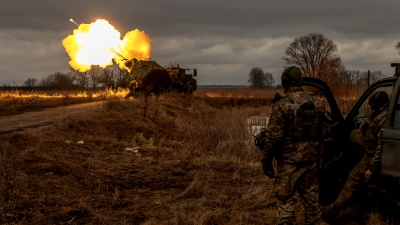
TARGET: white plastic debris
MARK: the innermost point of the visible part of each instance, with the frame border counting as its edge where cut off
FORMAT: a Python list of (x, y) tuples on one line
[(68, 142), (80, 142), (133, 149)]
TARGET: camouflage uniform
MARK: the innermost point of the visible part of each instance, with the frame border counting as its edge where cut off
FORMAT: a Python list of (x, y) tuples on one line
[(296, 161), (371, 142)]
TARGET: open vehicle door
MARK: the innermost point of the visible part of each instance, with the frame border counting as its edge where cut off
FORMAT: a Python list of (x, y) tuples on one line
[(337, 156), (389, 186), (332, 171)]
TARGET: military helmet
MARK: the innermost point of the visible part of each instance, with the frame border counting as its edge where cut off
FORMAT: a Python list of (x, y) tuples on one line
[(292, 76), (378, 99)]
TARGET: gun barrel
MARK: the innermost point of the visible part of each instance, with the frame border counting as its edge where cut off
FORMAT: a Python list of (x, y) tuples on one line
[(119, 54)]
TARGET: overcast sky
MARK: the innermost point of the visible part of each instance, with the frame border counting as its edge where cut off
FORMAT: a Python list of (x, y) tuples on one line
[(222, 39)]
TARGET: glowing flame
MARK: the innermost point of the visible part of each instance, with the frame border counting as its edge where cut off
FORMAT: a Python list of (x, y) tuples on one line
[(99, 43)]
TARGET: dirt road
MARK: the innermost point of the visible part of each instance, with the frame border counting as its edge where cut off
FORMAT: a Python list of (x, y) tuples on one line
[(41, 118), (45, 117)]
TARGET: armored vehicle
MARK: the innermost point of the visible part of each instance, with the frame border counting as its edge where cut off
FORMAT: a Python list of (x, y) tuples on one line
[(149, 76), (337, 157)]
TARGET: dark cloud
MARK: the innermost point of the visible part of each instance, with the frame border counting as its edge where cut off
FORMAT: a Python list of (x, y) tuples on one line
[(222, 39)]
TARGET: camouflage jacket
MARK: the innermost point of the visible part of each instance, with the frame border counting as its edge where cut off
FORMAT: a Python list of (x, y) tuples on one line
[(278, 141), (373, 137)]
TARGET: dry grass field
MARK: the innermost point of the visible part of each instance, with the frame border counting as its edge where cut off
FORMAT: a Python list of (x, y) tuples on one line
[(190, 161), (14, 102)]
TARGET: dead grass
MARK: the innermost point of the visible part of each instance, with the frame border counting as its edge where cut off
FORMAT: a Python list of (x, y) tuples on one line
[(14, 102), (195, 164), (240, 92)]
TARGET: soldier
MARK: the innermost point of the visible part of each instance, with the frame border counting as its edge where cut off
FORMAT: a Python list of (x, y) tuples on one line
[(293, 138), (369, 138)]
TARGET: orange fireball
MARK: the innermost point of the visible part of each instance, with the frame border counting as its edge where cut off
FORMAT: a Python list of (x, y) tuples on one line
[(99, 43)]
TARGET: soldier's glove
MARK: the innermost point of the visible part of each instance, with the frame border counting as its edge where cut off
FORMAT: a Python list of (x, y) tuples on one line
[(259, 139), (267, 168)]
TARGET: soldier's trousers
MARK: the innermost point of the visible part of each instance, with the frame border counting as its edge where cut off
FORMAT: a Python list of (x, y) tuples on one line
[(353, 184), (355, 180), (303, 180)]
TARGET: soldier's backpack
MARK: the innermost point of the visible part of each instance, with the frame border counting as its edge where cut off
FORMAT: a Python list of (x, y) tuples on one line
[(306, 120)]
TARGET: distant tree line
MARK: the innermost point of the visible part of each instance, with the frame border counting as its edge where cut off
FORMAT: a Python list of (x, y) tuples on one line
[(317, 57), (111, 77)]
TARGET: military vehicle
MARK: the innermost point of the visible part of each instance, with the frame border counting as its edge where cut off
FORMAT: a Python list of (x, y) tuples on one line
[(182, 79), (338, 158), (149, 76)]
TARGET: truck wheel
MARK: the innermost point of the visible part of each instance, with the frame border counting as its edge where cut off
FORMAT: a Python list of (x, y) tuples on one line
[(190, 90)]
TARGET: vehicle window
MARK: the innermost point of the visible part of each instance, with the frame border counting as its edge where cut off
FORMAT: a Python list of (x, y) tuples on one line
[(396, 120), (364, 110)]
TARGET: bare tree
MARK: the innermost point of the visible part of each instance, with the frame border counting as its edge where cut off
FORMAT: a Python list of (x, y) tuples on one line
[(30, 82), (42, 82), (269, 79), (315, 55), (58, 81), (108, 77), (353, 77), (374, 76), (346, 78), (81, 78), (95, 74), (123, 78), (257, 77)]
